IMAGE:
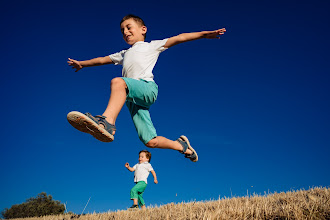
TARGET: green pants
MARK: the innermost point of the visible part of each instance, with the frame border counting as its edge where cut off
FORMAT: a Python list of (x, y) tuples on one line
[(137, 192)]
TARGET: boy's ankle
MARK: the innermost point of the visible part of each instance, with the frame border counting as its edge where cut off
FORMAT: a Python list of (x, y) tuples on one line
[(109, 120)]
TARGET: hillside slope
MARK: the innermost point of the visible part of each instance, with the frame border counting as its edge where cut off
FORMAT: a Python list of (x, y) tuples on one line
[(302, 204)]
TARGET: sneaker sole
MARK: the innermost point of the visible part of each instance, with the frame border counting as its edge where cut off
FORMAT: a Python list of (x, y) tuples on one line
[(83, 123), (133, 209), (189, 146)]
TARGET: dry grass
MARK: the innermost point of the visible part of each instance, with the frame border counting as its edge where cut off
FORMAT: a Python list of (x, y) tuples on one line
[(302, 204)]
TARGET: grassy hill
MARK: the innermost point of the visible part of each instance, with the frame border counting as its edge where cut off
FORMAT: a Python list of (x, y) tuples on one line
[(301, 204)]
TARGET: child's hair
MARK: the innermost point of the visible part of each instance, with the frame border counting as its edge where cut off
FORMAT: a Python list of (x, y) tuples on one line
[(148, 154), (137, 19)]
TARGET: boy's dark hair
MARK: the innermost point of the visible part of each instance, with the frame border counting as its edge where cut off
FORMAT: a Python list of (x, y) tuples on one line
[(137, 19), (148, 154)]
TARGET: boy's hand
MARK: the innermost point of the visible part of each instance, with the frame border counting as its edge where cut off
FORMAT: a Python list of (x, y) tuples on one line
[(75, 64), (214, 34), (127, 165), (155, 181)]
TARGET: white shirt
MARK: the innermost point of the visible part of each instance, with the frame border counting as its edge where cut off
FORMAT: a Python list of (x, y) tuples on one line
[(139, 60), (142, 171)]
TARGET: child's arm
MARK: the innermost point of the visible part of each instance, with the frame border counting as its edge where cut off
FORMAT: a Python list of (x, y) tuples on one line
[(78, 65), (155, 177), (129, 168), (181, 38)]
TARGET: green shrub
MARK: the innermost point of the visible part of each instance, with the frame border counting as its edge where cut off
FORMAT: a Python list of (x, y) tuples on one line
[(41, 205)]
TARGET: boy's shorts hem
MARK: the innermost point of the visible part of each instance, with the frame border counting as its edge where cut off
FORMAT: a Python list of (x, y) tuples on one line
[(149, 139)]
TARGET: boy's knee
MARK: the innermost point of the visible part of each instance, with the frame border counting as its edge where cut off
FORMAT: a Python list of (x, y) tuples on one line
[(152, 143), (134, 194), (118, 82)]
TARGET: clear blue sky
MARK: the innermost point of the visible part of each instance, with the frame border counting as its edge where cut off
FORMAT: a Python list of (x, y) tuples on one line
[(254, 104)]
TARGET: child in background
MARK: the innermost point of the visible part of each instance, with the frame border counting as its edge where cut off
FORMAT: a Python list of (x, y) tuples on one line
[(142, 170), (136, 88)]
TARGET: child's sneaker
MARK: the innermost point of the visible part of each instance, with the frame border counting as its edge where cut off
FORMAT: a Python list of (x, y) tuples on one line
[(183, 140), (91, 125), (133, 207)]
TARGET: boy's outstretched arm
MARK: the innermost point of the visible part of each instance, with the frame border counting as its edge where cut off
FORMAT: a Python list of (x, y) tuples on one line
[(154, 175), (129, 168), (78, 65), (181, 38)]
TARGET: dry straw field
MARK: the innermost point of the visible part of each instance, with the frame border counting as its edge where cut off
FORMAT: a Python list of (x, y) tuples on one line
[(301, 204)]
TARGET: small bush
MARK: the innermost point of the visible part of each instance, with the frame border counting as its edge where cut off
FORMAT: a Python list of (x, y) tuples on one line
[(41, 205)]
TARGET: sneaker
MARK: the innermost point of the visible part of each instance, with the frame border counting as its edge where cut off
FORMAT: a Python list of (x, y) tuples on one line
[(91, 125), (133, 207), (183, 140)]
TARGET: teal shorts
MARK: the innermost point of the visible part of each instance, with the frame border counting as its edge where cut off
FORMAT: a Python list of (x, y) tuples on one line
[(141, 95)]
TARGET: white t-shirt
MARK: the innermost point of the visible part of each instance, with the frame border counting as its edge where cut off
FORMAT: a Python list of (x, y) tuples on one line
[(142, 171), (139, 60)]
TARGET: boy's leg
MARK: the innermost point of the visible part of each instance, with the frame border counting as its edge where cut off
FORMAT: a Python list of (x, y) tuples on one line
[(142, 122), (141, 96), (182, 144), (164, 143), (141, 200), (117, 99), (136, 191), (120, 88), (134, 196), (135, 201), (147, 132)]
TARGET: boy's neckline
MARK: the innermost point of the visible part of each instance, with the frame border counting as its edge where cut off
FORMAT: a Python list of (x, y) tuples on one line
[(138, 42)]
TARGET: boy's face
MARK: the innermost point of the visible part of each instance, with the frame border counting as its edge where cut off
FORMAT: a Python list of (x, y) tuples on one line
[(143, 157), (132, 31)]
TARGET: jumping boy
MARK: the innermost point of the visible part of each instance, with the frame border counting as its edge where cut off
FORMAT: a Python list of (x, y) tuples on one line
[(142, 170), (136, 88)]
